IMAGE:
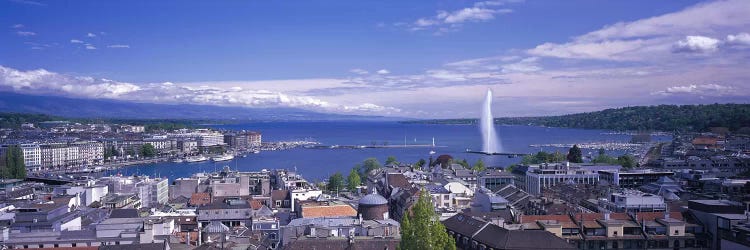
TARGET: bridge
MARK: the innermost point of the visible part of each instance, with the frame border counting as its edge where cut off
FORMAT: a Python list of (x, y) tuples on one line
[(49, 180)]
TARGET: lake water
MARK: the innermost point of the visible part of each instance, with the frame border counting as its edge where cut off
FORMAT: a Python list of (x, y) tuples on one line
[(317, 164)]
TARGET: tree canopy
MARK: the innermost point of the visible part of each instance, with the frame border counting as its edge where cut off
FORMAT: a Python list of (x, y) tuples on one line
[(699, 118), (353, 180), (391, 160), (543, 157), (421, 229), (335, 182), (479, 166), (13, 165), (575, 155), (148, 150)]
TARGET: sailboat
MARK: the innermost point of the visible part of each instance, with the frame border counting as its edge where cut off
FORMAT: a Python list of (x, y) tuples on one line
[(432, 152)]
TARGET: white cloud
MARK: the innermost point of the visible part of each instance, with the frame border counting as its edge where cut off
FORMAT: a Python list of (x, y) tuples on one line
[(697, 44), (445, 21), (119, 46), (25, 33), (44, 82), (90, 47), (29, 2), (17, 26), (739, 39), (700, 89), (383, 72), (223, 94), (369, 107), (91, 34), (359, 71), (75, 41), (525, 65), (654, 38)]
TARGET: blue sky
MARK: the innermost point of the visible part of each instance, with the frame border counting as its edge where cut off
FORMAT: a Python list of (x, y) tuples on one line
[(399, 58)]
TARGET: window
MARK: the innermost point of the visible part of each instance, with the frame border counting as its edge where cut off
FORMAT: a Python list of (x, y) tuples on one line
[(615, 245)]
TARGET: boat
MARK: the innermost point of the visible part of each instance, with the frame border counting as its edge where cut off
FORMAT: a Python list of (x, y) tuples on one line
[(224, 157), (196, 159), (178, 160), (256, 151), (432, 152)]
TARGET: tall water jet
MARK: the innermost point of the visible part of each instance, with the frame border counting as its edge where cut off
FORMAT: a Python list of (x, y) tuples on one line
[(490, 141)]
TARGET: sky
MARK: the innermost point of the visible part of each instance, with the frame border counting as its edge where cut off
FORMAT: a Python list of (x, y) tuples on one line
[(422, 59)]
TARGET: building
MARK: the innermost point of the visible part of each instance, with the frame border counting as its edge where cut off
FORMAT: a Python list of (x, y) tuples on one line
[(633, 178), (187, 145), (230, 212), (243, 140), (323, 208), (209, 139), (495, 179), (543, 176), (62, 155), (717, 217), (154, 192), (373, 207), (472, 233), (339, 228), (32, 155), (633, 201)]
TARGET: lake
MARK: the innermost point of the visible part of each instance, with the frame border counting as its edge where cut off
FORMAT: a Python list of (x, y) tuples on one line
[(318, 164)]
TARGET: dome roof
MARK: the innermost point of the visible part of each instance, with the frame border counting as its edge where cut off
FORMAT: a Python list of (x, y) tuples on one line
[(373, 199)]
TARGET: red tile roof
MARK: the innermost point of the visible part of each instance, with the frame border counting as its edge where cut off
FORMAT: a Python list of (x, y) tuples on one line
[(600, 216), (255, 204), (336, 210), (650, 216), (200, 199)]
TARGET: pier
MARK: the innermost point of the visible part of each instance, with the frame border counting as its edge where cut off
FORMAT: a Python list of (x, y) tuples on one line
[(372, 146), (509, 155)]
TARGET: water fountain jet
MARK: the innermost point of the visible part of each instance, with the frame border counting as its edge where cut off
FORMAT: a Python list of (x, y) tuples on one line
[(490, 141)]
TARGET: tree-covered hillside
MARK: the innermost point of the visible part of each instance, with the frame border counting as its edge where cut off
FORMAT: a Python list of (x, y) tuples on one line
[(660, 118), (14, 120)]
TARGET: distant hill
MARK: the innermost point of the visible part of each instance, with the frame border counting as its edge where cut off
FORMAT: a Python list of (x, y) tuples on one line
[(103, 108), (659, 118)]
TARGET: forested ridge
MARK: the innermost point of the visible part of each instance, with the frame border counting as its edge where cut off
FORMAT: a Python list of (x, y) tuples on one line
[(657, 118)]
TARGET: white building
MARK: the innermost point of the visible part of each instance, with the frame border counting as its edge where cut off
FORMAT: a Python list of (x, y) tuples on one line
[(543, 176), (633, 201), (154, 192), (32, 156), (210, 139)]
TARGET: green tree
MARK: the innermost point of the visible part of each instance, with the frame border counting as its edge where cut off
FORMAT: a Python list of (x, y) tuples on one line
[(575, 155), (479, 166), (148, 150), (543, 157), (627, 161), (335, 182), (130, 152), (605, 159), (391, 160), (353, 180), (464, 163), (421, 229), (420, 163), (113, 151), (369, 165), (14, 166)]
